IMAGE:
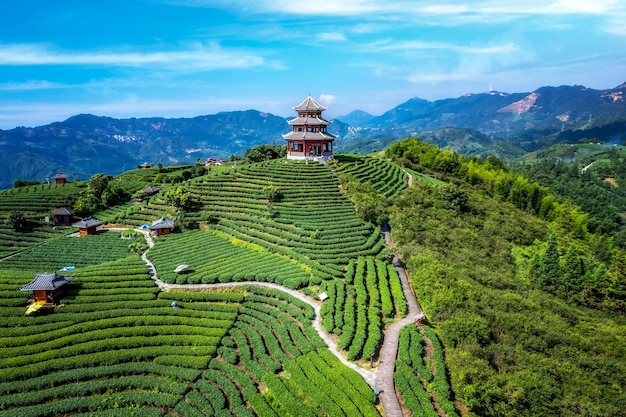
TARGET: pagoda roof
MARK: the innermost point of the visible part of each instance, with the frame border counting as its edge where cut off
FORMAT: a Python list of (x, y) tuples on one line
[(309, 121), (162, 223), (309, 103), (309, 136), (63, 211), (59, 176), (47, 281), (87, 222)]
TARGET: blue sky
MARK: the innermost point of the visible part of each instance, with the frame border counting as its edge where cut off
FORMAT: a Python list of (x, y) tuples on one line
[(184, 58)]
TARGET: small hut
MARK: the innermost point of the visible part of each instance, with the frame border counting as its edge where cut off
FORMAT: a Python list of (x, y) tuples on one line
[(145, 165), (162, 226), (60, 178), (63, 216), (213, 162), (46, 287), (151, 190), (87, 226)]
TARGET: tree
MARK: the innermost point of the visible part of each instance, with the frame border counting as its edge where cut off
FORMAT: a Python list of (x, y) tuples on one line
[(112, 195), (262, 153), (371, 207), (573, 270), (273, 193), (97, 184), (178, 197), (454, 198), (17, 220), (24, 183), (86, 204), (368, 204), (550, 266)]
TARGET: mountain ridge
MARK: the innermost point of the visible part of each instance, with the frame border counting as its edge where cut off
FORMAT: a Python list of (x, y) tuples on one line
[(526, 121)]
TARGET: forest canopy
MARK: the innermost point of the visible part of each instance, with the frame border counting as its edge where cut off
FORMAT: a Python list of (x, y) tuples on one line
[(527, 302)]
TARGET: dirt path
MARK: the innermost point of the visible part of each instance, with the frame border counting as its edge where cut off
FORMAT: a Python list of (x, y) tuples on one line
[(381, 379), (389, 351), (369, 376), (410, 179)]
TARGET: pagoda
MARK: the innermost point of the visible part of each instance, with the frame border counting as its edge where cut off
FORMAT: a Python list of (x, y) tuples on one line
[(309, 138)]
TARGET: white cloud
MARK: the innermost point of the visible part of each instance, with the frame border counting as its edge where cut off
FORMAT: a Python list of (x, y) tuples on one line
[(331, 37), (327, 99), (193, 57), (392, 45), (402, 8), (30, 85)]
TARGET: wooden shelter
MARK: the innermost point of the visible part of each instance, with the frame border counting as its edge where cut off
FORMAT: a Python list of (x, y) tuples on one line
[(162, 226), (151, 190), (213, 162), (63, 216), (309, 138), (60, 178), (145, 165), (47, 287), (87, 226)]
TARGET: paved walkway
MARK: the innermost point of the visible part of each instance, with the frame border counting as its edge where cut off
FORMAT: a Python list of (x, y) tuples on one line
[(369, 376), (381, 379), (389, 351), (410, 179)]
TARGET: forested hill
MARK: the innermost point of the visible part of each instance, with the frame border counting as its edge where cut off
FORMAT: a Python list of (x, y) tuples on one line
[(529, 305)]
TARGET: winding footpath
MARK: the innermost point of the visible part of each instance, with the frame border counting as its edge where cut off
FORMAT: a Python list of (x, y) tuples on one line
[(381, 380), (389, 351), (369, 376)]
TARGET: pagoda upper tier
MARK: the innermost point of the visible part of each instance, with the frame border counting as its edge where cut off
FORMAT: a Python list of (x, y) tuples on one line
[(309, 123)]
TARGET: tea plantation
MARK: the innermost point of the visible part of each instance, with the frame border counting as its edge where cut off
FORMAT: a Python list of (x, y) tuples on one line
[(113, 345)]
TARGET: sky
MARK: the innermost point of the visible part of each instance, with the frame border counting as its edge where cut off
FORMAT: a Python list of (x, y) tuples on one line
[(185, 58)]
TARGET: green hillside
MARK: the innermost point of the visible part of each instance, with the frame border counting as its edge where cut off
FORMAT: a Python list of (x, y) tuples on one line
[(524, 306), (528, 304)]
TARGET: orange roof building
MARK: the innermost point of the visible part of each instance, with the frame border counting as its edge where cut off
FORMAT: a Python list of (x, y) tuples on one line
[(60, 178), (87, 226), (46, 287), (162, 226), (63, 216)]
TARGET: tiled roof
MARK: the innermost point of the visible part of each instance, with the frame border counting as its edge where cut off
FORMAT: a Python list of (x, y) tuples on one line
[(59, 175), (162, 223), (308, 136), (153, 189), (309, 104), (309, 121), (47, 281), (87, 222), (63, 211)]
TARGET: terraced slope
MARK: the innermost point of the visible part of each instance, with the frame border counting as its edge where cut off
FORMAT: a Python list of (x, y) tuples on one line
[(213, 258), (116, 347), (384, 176), (113, 344), (310, 221)]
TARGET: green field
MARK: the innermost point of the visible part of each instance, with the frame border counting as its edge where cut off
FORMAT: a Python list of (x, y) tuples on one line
[(114, 346)]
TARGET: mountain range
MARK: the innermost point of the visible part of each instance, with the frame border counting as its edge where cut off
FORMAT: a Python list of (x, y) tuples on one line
[(507, 125)]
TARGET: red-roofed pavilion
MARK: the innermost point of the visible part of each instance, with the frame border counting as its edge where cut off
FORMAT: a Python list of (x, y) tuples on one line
[(309, 137)]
